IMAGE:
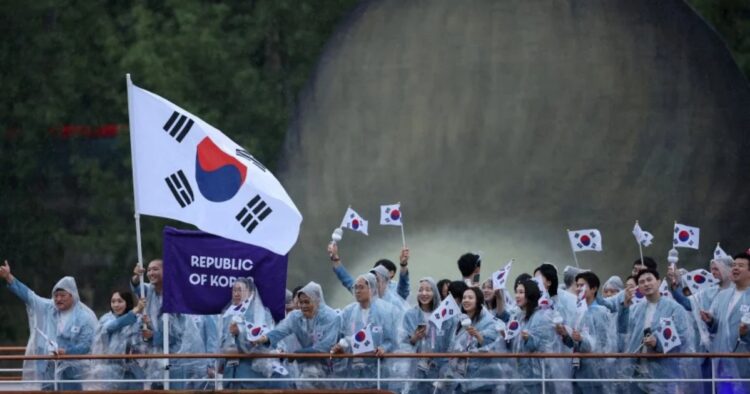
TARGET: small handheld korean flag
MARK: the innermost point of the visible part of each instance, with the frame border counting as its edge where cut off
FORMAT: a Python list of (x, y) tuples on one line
[(544, 300), (354, 222), (664, 289), (362, 341), (667, 335), (513, 328), (583, 240), (499, 278), (642, 237), (699, 279), (238, 310), (447, 309), (390, 215), (719, 253), (255, 331), (638, 297), (686, 236)]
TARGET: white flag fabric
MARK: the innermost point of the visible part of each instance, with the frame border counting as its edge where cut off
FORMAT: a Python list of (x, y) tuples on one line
[(390, 215), (642, 237), (699, 279), (544, 301), (354, 222), (362, 341), (499, 278), (686, 236), (719, 253), (664, 289), (187, 170), (582, 240), (255, 331), (447, 309), (667, 335), (638, 297)]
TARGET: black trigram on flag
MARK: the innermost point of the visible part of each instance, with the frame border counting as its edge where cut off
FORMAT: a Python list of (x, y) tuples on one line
[(253, 213), (178, 126), (246, 155), (180, 188)]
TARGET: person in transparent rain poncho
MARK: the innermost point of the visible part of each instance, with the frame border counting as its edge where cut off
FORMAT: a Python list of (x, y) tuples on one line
[(368, 311), (119, 332), (421, 335), (614, 287), (474, 332), (58, 325), (591, 333), (728, 319), (496, 301), (563, 306), (315, 326), (183, 334), (535, 334), (641, 322), (701, 300), (244, 313)]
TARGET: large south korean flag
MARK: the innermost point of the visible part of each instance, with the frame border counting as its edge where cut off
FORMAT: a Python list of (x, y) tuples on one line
[(185, 169)]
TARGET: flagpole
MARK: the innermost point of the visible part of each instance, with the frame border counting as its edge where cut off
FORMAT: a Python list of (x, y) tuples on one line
[(133, 164), (575, 258), (403, 237), (640, 246)]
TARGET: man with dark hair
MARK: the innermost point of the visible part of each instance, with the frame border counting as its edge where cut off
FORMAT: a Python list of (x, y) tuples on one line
[(639, 265), (590, 335), (726, 320), (641, 321), (469, 264), (347, 281), (457, 289)]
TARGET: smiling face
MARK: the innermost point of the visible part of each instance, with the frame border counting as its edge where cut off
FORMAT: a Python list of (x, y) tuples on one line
[(307, 306), (425, 294), (63, 300), (154, 272), (741, 272), (469, 301), (117, 304)]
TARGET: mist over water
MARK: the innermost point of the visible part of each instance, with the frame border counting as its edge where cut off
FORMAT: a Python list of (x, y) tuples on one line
[(499, 125)]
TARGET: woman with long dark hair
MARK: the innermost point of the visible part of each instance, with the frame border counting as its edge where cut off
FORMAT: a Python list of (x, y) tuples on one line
[(474, 332), (118, 332), (531, 331)]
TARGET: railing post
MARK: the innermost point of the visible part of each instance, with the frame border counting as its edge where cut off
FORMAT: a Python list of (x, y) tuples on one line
[(378, 360), (713, 375), (54, 374), (544, 381)]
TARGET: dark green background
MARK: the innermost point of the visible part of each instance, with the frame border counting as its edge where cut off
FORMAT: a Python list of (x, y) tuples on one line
[(66, 203)]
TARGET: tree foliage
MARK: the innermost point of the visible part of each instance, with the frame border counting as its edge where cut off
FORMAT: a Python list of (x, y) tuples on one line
[(67, 202)]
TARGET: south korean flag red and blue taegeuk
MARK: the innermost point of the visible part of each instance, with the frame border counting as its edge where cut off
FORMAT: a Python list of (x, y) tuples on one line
[(362, 341), (583, 240), (390, 215), (448, 309), (667, 335), (686, 236), (353, 221)]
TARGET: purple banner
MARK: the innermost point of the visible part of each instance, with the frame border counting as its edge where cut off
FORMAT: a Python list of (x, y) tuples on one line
[(200, 268)]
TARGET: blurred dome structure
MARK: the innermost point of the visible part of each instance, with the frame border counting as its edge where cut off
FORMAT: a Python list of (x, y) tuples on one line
[(498, 125)]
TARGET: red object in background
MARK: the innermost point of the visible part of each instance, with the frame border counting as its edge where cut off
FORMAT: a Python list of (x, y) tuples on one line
[(102, 131)]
